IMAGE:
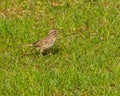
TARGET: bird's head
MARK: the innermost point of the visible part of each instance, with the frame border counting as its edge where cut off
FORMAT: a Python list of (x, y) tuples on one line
[(53, 33)]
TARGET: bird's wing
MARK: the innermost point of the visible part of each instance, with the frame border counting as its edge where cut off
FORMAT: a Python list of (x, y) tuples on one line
[(40, 43)]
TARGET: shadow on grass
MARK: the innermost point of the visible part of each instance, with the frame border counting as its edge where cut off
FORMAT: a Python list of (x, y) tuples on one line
[(45, 53)]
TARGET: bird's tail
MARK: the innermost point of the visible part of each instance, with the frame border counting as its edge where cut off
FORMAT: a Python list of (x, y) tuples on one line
[(30, 45)]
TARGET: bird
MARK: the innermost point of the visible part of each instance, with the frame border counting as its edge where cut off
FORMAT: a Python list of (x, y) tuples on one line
[(46, 42)]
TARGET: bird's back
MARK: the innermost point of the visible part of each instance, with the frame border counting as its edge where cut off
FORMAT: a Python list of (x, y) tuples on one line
[(45, 42)]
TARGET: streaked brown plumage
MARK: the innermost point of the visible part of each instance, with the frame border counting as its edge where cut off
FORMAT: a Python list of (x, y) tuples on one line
[(46, 42)]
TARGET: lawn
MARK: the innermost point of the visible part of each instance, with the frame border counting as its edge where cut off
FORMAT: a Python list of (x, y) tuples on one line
[(85, 60)]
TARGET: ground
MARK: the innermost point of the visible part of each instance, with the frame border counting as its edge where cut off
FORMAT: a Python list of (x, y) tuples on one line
[(85, 60)]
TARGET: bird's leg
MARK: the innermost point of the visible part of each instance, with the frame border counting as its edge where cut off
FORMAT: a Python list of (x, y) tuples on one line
[(41, 52), (49, 52), (32, 50)]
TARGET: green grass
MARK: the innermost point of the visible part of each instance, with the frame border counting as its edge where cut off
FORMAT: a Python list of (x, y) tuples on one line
[(85, 60)]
